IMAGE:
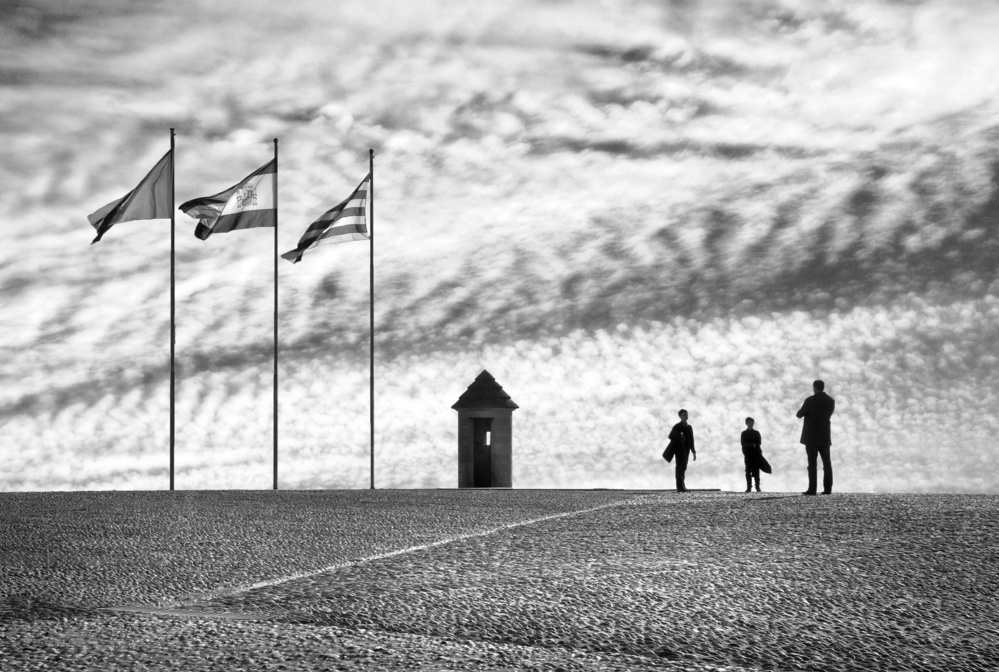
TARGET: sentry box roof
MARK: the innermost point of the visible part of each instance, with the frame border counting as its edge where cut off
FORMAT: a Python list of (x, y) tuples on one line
[(484, 393)]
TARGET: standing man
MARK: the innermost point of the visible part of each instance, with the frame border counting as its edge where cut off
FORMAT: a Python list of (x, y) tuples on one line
[(752, 452), (815, 413), (681, 437)]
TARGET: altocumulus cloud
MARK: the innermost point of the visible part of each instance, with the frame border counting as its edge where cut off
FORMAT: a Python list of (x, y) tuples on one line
[(618, 211)]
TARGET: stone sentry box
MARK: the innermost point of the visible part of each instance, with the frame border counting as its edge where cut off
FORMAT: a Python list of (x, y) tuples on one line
[(485, 435)]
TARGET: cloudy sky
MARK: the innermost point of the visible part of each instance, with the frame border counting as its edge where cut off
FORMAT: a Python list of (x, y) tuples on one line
[(618, 208)]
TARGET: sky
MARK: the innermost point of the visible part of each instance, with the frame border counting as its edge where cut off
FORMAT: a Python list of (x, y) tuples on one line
[(619, 209)]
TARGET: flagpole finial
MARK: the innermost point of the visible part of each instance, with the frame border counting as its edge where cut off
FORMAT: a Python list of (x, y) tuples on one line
[(371, 152)]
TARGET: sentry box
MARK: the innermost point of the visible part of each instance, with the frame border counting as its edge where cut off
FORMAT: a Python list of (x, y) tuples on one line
[(485, 435)]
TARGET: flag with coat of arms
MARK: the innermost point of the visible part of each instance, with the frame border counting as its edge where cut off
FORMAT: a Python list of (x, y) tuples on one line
[(247, 205)]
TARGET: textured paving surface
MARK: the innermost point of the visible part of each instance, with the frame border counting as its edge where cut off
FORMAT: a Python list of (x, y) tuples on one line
[(545, 580)]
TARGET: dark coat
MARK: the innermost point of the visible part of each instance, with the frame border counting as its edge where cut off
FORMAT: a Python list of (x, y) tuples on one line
[(816, 412), (751, 443), (681, 438)]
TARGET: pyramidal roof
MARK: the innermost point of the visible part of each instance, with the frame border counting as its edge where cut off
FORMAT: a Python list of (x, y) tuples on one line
[(484, 392)]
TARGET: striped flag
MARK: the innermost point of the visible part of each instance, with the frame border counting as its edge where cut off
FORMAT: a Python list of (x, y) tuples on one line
[(343, 222), (151, 199), (247, 205)]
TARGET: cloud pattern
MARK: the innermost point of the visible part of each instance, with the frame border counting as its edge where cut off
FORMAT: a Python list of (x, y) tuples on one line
[(618, 211)]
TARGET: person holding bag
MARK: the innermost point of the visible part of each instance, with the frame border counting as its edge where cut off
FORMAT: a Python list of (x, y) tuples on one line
[(752, 453), (681, 446)]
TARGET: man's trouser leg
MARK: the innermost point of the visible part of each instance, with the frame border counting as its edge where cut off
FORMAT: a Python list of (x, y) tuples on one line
[(827, 470), (813, 453), (681, 469)]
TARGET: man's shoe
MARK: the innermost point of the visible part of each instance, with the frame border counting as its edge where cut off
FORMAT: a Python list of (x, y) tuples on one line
[(808, 493), (826, 493)]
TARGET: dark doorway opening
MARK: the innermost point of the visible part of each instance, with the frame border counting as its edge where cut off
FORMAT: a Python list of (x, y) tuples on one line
[(482, 452)]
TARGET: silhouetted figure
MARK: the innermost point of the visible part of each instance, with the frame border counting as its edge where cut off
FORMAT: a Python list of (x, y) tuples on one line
[(752, 453), (815, 434), (681, 439)]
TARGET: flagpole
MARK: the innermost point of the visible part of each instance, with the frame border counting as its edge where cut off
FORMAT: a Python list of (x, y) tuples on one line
[(275, 313), (173, 328), (371, 296)]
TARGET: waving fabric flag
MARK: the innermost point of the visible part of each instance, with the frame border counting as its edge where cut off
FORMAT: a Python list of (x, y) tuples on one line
[(151, 199), (345, 221), (247, 205)]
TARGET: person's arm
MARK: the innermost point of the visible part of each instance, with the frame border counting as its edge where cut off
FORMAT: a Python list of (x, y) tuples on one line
[(803, 411)]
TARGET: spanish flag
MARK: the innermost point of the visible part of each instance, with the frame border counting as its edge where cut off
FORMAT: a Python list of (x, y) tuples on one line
[(246, 205)]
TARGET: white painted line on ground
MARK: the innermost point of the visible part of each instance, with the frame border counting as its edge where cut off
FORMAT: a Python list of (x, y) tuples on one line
[(178, 607)]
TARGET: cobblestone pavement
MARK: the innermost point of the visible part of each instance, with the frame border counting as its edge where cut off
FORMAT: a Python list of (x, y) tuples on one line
[(447, 580)]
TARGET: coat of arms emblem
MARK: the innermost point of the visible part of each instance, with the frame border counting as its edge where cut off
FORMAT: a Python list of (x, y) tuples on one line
[(247, 195)]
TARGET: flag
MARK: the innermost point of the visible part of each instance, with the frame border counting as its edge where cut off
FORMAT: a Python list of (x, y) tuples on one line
[(247, 205), (343, 222), (152, 199)]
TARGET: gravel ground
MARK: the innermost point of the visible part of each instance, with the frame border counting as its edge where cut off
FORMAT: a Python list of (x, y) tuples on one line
[(156, 548), (469, 580)]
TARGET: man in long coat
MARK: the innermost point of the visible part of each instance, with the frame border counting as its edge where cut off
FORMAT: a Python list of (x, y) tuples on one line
[(815, 434)]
